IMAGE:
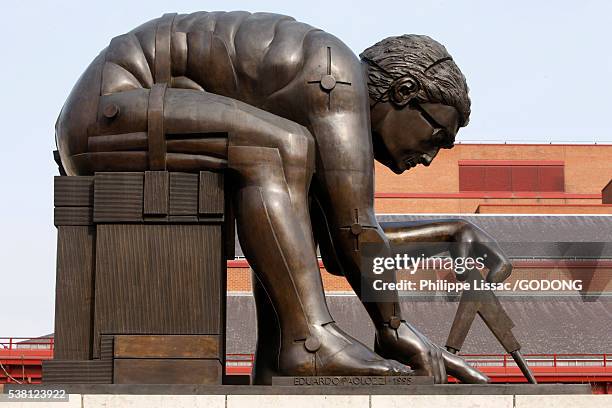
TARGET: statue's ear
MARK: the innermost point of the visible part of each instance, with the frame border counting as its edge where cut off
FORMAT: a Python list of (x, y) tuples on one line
[(404, 90)]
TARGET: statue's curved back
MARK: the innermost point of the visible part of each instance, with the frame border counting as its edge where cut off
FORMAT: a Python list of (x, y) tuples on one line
[(243, 56)]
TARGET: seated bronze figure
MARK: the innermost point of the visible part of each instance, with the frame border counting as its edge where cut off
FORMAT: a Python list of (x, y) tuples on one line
[(297, 120)]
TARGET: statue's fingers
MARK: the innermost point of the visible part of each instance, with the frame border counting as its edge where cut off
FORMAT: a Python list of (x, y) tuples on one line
[(434, 366), (461, 370), (441, 366), (494, 259), (500, 271)]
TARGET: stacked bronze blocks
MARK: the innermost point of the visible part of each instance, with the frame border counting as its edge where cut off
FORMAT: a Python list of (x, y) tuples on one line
[(140, 294)]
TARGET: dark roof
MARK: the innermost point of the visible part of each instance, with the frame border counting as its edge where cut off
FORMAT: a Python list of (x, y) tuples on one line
[(533, 236), (529, 228), (553, 325), (538, 236)]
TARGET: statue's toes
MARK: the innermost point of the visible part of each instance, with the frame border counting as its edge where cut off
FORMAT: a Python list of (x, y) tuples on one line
[(357, 360), (400, 369)]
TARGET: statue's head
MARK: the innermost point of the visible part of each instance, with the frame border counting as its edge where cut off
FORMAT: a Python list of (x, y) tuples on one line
[(418, 100)]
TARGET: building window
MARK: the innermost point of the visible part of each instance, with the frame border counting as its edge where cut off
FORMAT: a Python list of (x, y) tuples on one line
[(515, 175)]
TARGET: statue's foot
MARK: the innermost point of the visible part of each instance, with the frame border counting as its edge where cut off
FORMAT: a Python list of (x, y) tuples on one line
[(407, 345), (330, 351)]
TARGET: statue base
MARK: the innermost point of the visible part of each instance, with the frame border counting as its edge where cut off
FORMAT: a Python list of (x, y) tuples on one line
[(237, 396), (291, 390), (141, 278)]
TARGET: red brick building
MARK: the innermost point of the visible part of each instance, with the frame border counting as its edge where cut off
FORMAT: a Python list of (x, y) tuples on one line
[(501, 179)]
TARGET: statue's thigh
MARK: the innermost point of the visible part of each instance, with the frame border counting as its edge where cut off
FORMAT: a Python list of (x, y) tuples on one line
[(192, 114), (198, 129)]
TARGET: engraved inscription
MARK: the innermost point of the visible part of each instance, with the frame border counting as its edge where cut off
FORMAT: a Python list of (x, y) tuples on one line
[(350, 381)]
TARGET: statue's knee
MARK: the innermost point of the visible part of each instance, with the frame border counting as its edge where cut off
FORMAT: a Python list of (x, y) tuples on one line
[(298, 148), (295, 146), (464, 231), (257, 167)]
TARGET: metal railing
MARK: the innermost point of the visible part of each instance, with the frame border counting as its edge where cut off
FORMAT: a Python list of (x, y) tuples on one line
[(46, 345), (541, 360), (490, 360), (26, 347)]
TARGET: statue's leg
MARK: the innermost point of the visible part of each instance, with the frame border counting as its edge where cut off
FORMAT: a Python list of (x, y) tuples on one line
[(273, 161), (275, 236), (268, 335)]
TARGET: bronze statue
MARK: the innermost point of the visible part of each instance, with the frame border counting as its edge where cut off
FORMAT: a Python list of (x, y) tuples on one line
[(297, 119)]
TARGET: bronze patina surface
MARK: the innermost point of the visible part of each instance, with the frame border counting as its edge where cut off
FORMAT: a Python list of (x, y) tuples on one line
[(295, 119)]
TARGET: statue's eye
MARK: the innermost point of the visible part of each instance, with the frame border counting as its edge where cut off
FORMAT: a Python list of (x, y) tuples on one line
[(441, 138)]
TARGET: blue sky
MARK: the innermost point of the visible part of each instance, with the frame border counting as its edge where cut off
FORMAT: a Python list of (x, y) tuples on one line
[(537, 70)]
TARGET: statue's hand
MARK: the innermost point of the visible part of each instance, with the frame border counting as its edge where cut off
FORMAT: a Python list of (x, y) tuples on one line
[(498, 264), (473, 242), (408, 346)]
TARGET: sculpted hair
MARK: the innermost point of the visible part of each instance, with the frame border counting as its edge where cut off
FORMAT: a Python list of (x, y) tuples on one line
[(427, 61)]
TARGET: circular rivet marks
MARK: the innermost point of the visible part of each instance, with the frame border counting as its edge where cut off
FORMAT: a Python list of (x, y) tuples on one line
[(328, 82), (312, 344), (356, 229), (110, 111), (394, 322)]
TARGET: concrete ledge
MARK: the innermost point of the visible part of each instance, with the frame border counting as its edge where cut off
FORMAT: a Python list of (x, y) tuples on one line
[(298, 401), (154, 401), (73, 401), (455, 401), (323, 401), (440, 389), (563, 401)]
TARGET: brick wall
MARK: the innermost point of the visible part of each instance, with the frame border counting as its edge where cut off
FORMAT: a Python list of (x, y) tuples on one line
[(239, 280), (435, 189)]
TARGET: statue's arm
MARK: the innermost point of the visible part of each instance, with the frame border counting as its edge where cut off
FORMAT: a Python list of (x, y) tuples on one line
[(464, 238), (343, 192)]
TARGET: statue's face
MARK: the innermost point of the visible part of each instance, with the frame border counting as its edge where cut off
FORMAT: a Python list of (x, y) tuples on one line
[(406, 136)]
